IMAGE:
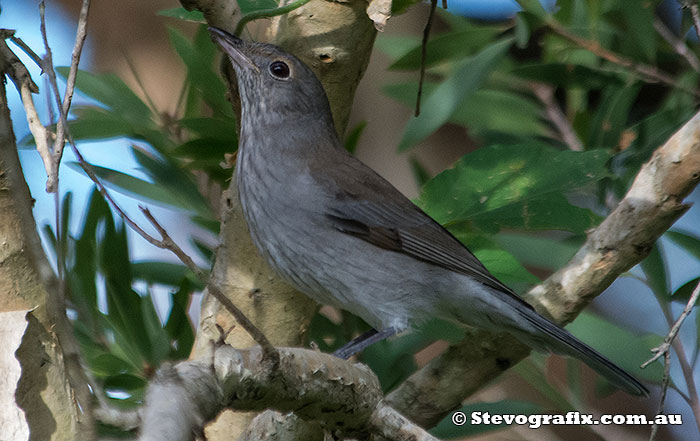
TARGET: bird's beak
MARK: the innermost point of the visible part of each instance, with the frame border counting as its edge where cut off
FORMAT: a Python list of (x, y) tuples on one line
[(233, 47)]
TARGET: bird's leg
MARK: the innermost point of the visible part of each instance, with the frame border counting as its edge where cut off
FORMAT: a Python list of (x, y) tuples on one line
[(363, 341)]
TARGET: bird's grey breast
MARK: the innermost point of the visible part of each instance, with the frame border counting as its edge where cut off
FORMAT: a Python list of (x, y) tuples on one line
[(281, 202)]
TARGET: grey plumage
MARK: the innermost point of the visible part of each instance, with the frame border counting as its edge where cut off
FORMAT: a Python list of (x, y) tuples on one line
[(343, 235)]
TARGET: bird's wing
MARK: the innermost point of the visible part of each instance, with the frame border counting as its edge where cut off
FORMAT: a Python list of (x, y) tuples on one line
[(406, 229), (363, 204)]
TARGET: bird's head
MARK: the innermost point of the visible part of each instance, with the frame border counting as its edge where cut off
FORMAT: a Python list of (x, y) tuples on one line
[(272, 83)]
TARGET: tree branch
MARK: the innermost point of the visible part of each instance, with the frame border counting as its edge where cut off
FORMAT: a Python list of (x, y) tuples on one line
[(80, 35), (652, 204), (677, 44), (694, 12), (647, 72), (545, 94), (344, 397)]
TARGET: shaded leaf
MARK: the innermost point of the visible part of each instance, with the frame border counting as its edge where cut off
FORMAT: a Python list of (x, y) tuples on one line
[(163, 273), (622, 347), (439, 106), (354, 136), (451, 46), (134, 187), (566, 75), (514, 185), (111, 91), (686, 240), (654, 267), (248, 6), (183, 14), (683, 293)]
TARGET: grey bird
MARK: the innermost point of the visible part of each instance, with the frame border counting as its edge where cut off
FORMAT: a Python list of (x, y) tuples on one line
[(343, 235)]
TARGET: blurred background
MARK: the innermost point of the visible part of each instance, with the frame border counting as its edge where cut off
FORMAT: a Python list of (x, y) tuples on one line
[(130, 40)]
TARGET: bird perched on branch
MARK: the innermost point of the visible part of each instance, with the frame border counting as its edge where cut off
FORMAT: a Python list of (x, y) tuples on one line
[(340, 233)]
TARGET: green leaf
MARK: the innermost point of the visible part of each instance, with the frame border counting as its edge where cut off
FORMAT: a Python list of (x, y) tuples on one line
[(400, 6), (395, 46), (490, 110), (326, 334), (522, 32), (515, 183), (447, 429), (688, 241), (451, 46), (504, 266), (436, 329), (654, 267), (420, 173), (549, 212), (159, 340), (163, 273), (83, 273), (128, 383), (111, 91), (183, 14), (178, 325), (566, 75), (248, 6), (439, 106), (354, 136), (486, 111), (222, 129), (135, 187), (205, 148), (107, 364), (533, 7), (622, 347), (610, 120), (540, 252), (390, 361), (639, 20), (178, 183), (199, 60), (683, 293), (97, 123)]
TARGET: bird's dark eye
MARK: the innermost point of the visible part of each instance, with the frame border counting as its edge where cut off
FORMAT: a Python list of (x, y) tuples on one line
[(279, 69)]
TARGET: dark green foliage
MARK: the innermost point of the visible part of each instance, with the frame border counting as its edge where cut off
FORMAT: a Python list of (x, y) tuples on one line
[(120, 333)]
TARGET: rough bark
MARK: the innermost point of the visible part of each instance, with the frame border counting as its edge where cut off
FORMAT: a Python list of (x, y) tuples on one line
[(341, 397), (52, 392)]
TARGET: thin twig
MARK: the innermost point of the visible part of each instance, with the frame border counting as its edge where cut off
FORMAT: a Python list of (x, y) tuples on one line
[(677, 44), (668, 341), (424, 53), (267, 13), (26, 87), (647, 72), (26, 49), (664, 389), (665, 347), (694, 12), (167, 242), (555, 115), (47, 67), (81, 34)]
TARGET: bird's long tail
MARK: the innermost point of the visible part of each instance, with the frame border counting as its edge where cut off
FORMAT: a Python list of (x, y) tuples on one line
[(549, 336)]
